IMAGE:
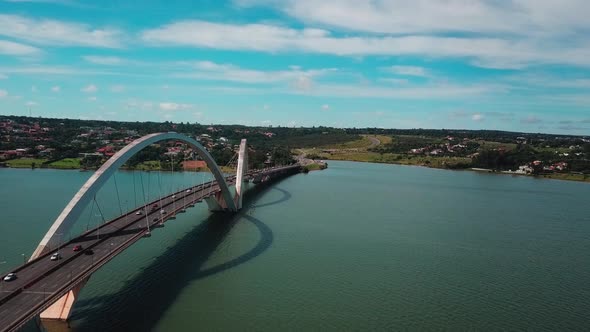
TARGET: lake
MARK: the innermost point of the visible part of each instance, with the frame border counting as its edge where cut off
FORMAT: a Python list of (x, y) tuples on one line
[(355, 247)]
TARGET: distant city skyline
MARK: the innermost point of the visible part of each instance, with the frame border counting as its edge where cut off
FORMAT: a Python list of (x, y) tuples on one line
[(521, 65)]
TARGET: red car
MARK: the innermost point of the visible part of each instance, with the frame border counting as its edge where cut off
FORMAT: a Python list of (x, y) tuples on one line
[(77, 248)]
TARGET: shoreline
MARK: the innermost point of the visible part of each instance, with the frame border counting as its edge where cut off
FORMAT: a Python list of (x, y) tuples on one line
[(485, 171), (94, 169), (559, 177)]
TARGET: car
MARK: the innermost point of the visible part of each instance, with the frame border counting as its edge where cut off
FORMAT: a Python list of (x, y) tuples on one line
[(138, 213), (88, 252), (188, 190), (77, 247), (163, 211), (154, 207), (10, 277), (55, 256), (173, 196)]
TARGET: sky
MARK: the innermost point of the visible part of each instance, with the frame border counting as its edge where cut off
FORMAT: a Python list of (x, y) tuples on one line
[(518, 65)]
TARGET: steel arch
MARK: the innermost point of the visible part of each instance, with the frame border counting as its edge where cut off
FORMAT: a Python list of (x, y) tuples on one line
[(76, 206)]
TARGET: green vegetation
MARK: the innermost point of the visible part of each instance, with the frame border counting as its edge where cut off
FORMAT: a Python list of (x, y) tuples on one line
[(63, 140), (314, 167), (568, 176), (391, 158), (26, 163), (149, 165), (66, 163)]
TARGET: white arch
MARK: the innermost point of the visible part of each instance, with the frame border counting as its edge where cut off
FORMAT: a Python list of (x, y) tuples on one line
[(74, 209)]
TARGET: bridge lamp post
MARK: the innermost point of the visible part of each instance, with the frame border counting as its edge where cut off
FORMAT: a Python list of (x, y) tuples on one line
[(127, 211), (59, 242)]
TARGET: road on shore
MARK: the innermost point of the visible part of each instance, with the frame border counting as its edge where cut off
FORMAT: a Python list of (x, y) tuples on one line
[(374, 142)]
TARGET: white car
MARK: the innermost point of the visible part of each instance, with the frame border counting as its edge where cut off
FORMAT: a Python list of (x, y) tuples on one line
[(55, 256), (162, 211), (10, 277), (138, 213), (173, 196), (188, 190)]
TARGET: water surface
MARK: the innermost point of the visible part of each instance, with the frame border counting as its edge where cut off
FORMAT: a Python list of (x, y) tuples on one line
[(357, 246)]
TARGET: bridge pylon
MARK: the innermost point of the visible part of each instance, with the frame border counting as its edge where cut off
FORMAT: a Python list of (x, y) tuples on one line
[(241, 173), (217, 202)]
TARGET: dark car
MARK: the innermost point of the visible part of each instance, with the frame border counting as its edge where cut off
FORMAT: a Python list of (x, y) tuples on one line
[(88, 252), (77, 248)]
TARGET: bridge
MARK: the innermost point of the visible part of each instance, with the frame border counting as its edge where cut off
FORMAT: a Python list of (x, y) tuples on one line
[(47, 288)]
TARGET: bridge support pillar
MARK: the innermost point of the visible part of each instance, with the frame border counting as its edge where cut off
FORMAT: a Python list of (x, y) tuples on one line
[(241, 172), (56, 316), (216, 202)]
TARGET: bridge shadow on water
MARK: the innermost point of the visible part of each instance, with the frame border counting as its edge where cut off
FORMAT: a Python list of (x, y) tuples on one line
[(140, 304), (286, 197)]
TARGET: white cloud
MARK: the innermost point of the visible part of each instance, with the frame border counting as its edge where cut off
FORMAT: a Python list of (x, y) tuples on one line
[(169, 106), (482, 50), (12, 48), (303, 83), (407, 70), (394, 80), (104, 60), (56, 88), (92, 98), (325, 107), (561, 81), (531, 119), (31, 104), (300, 79), (477, 117), (436, 91), (516, 17), (3, 76), (34, 89), (139, 104), (117, 88), (34, 69), (3, 93), (89, 88), (57, 2), (54, 32), (361, 90)]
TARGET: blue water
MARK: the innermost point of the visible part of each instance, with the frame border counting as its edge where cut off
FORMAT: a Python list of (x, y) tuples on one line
[(355, 247)]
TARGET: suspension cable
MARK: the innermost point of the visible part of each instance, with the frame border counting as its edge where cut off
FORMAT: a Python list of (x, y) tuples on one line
[(160, 181), (172, 184), (99, 210), (148, 186), (90, 217), (145, 211), (134, 191), (231, 160), (117, 190)]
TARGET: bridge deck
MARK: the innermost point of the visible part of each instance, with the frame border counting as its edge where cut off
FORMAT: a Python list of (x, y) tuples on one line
[(41, 282)]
